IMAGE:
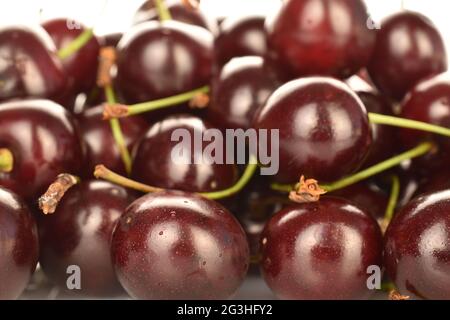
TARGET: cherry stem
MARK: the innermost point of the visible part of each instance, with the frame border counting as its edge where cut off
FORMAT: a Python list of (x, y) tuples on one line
[(101, 172), (76, 44), (393, 199), (163, 11), (55, 192), (120, 111), (6, 160), (117, 132), (407, 123), (419, 150)]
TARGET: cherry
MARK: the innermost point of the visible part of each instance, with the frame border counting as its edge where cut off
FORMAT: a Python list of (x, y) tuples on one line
[(179, 12), (153, 163), (79, 233), (320, 250), (18, 245), (408, 49), (162, 59), (438, 181), (177, 245), (44, 142), (243, 86), (100, 144), (242, 36), (324, 131), (30, 67), (81, 67), (321, 37), (416, 247)]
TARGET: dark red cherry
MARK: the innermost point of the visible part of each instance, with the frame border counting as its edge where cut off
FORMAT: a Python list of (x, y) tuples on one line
[(100, 144), (44, 142), (30, 67), (408, 49), (19, 248), (417, 246), (366, 196), (324, 131), (321, 37), (429, 101), (242, 36), (438, 181), (79, 233), (320, 250), (81, 67), (157, 60), (179, 12), (153, 161), (177, 245), (242, 86)]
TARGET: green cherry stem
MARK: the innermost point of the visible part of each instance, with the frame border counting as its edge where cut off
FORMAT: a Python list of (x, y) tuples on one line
[(418, 151), (117, 132), (163, 11), (6, 160), (393, 199), (119, 110), (101, 172), (75, 45), (407, 123)]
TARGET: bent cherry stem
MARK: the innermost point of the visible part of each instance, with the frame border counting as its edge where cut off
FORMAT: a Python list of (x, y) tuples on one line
[(418, 151), (392, 203), (6, 160), (101, 172)]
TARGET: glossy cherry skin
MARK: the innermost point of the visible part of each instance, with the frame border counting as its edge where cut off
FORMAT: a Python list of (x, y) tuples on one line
[(324, 131), (153, 163), (81, 67), (177, 245), (320, 250), (242, 36), (99, 141), (408, 49), (438, 181), (242, 86), (44, 141), (321, 37), (429, 101), (157, 60), (417, 246), (19, 249), (29, 65), (80, 232), (179, 12)]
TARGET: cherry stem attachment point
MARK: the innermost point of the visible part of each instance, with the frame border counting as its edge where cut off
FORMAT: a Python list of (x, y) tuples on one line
[(49, 201), (408, 123), (113, 110), (77, 43), (101, 172), (117, 132), (163, 11), (6, 160), (418, 151), (392, 203)]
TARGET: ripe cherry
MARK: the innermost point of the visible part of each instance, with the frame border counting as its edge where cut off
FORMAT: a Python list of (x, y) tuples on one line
[(153, 163), (324, 131), (18, 245), (408, 49), (416, 247), (44, 142), (30, 67), (177, 245), (321, 37), (242, 86), (79, 233), (320, 250), (100, 144), (80, 67), (162, 59), (242, 36)]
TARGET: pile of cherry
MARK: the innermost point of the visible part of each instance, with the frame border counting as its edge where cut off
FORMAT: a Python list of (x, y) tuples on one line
[(364, 111)]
